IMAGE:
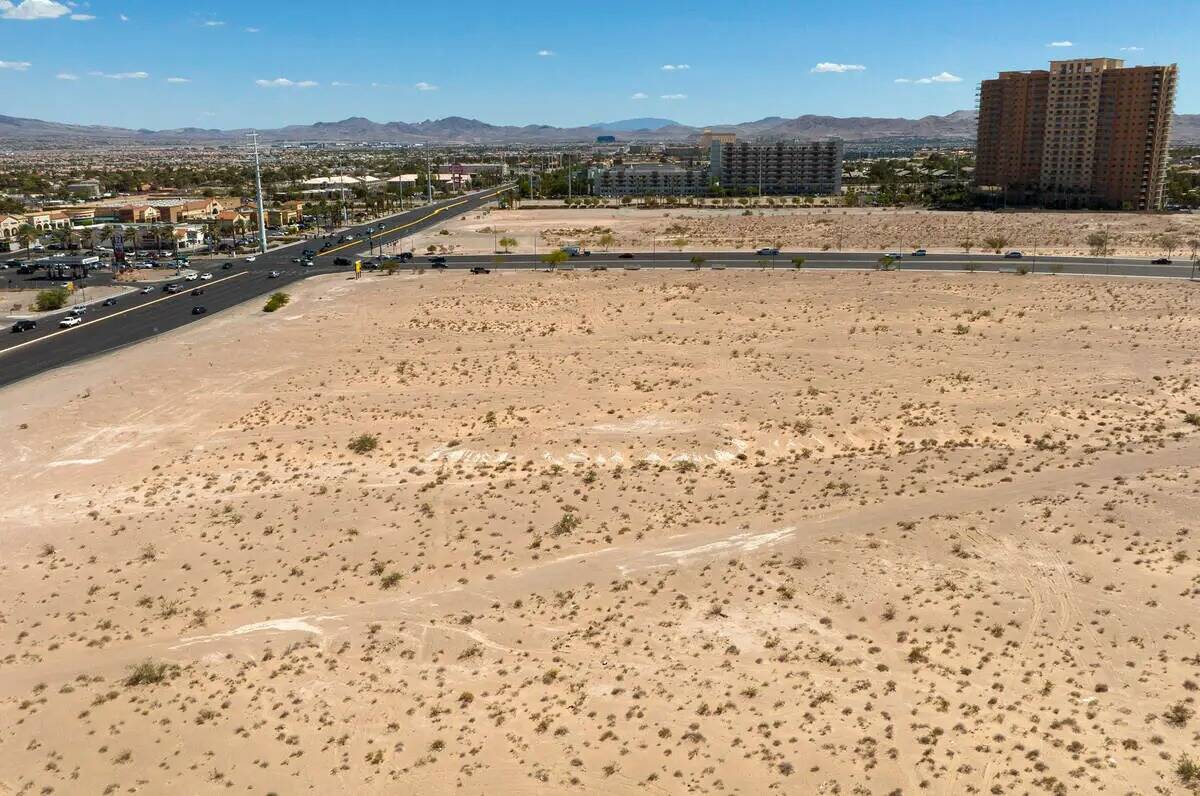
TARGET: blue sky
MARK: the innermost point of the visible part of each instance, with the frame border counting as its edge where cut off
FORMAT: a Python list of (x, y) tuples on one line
[(261, 63)]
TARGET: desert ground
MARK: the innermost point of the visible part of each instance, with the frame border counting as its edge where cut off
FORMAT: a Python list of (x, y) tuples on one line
[(617, 532), (812, 229)]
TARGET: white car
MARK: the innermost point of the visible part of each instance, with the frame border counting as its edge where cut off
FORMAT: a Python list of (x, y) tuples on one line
[(147, 289), (250, 259), (192, 277), (69, 321), (204, 277)]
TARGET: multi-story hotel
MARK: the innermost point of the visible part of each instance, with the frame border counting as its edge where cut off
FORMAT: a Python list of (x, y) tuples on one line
[(786, 167), (1086, 132)]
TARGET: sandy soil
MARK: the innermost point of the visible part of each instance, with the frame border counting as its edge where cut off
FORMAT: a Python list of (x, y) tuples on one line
[(836, 229), (20, 303), (622, 532)]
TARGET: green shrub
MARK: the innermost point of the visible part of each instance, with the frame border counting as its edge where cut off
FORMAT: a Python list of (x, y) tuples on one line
[(1187, 770), (147, 673), (53, 299), (276, 301), (364, 443)]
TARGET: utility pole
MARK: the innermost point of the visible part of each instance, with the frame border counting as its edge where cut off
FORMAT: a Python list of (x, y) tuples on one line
[(568, 178), (262, 221), (428, 180)]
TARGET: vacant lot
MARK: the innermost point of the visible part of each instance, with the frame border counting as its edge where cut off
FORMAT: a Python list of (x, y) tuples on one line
[(816, 229), (617, 532)]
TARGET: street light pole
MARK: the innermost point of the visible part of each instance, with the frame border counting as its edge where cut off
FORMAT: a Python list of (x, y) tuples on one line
[(262, 222)]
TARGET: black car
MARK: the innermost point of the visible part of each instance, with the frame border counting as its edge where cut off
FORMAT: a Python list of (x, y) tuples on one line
[(198, 291), (437, 260), (23, 326), (171, 288), (109, 302), (479, 269), (625, 256), (1160, 261), (226, 266), (198, 310), (405, 256), (370, 266), (342, 261)]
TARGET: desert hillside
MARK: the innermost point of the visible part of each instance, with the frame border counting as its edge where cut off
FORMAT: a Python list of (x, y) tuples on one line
[(619, 532)]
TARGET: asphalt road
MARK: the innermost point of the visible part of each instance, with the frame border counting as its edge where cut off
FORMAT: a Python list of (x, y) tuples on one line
[(137, 317)]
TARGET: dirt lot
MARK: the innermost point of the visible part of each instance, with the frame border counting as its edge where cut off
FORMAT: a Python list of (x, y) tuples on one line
[(619, 532), (836, 229)]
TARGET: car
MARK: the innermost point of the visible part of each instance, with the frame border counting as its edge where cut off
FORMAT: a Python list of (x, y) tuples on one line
[(405, 256), (895, 255), (147, 289), (479, 269), (309, 252), (198, 310), (14, 263), (438, 260), (109, 302), (198, 291), (342, 261), (370, 266), (919, 253), (1160, 261), (171, 288), (439, 266), (273, 275), (625, 256), (307, 263), (250, 259), (192, 277), (1013, 255), (226, 266), (204, 277), (69, 321), (326, 245), (769, 251), (77, 311), (296, 260), (23, 326)]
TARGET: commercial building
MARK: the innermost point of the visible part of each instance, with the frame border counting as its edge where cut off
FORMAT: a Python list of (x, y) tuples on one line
[(649, 179), (708, 136), (785, 167), (177, 210), (88, 189), (1086, 132)]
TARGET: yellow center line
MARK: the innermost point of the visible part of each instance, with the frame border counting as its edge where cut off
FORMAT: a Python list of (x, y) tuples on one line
[(411, 223), (94, 321)]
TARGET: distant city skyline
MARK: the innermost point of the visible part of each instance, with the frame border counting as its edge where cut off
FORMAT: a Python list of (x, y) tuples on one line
[(133, 63)]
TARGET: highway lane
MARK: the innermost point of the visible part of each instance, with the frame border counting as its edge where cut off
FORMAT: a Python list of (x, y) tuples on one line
[(136, 316)]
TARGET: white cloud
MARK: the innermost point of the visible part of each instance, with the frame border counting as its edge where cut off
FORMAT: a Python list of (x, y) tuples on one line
[(1132, 49), (82, 17), (122, 17), (675, 67), (283, 82), (423, 86), (941, 77), (640, 95), (33, 9), (1061, 44), (825, 66), (546, 53), (18, 66), (251, 30), (66, 76), (121, 75), (213, 23), (674, 96), (178, 80), (340, 84)]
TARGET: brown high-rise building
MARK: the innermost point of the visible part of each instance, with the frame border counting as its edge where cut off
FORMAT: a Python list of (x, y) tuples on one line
[(1088, 132)]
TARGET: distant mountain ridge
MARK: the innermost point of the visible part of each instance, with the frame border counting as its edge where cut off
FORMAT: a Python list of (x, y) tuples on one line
[(959, 125)]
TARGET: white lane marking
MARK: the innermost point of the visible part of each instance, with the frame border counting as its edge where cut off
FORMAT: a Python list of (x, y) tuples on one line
[(86, 324)]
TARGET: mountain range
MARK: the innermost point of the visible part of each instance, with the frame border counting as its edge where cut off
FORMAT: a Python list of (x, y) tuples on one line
[(960, 125)]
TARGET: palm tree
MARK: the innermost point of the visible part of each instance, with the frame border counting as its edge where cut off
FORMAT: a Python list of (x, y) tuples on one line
[(129, 238), (27, 234)]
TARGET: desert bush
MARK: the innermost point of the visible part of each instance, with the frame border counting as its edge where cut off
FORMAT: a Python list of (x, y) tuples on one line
[(364, 443), (276, 301), (147, 673), (53, 299)]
